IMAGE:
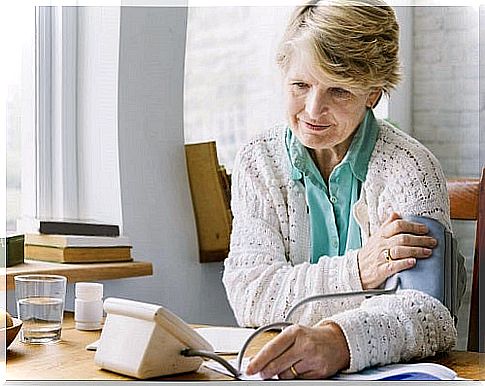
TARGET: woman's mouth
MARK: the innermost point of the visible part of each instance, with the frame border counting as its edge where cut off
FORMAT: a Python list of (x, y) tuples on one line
[(313, 127)]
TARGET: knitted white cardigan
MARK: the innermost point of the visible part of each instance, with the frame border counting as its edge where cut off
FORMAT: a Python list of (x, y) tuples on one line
[(268, 269)]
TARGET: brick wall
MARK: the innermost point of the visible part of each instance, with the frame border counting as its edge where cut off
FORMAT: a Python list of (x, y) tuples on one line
[(446, 99), (446, 102)]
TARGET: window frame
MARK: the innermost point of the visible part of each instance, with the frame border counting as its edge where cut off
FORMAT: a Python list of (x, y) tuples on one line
[(56, 105)]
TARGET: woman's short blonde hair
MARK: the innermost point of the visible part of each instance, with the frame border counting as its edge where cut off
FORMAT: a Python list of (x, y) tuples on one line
[(354, 42)]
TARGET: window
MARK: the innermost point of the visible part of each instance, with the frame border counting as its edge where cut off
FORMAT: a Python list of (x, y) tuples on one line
[(17, 80), (74, 92), (232, 85), (40, 84)]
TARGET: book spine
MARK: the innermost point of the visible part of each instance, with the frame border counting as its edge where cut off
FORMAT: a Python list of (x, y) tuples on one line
[(14, 250), (77, 255), (48, 227)]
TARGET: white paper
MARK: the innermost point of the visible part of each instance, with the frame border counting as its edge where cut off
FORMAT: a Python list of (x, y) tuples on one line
[(375, 373), (213, 365), (225, 340)]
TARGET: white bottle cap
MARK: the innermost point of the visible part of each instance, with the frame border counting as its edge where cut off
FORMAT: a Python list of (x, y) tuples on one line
[(89, 291)]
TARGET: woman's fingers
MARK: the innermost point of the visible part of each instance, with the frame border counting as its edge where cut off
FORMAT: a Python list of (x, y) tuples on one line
[(280, 364), (294, 356), (271, 350), (397, 240), (402, 226), (314, 352), (396, 266), (402, 246), (401, 252), (392, 217), (299, 368), (409, 240)]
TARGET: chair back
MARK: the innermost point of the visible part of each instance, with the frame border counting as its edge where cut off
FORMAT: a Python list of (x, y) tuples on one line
[(467, 202), (210, 187)]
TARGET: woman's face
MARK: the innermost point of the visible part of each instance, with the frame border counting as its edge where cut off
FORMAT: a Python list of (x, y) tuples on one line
[(323, 114)]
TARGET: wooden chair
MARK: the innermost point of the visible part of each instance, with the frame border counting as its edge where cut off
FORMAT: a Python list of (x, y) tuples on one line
[(467, 202), (210, 187)]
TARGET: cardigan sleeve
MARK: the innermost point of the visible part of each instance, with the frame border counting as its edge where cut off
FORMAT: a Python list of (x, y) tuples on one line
[(405, 177), (261, 281), (396, 328)]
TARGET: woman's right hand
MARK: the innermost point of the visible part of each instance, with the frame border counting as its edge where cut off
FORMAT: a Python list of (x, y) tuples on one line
[(404, 241)]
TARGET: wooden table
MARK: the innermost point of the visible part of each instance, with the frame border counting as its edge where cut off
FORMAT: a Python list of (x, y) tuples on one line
[(77, 272), (68, 360)]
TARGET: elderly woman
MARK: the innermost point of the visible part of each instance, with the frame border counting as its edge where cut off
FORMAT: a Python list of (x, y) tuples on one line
[(319, 204)]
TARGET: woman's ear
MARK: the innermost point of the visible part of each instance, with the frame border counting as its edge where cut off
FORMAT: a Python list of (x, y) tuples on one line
[(374, 98)]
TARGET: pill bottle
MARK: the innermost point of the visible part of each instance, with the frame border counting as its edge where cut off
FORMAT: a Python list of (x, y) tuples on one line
[(88, 306)]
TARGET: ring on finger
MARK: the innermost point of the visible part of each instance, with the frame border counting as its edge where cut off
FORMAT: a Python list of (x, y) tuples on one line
[(387, 254), (294, 372)]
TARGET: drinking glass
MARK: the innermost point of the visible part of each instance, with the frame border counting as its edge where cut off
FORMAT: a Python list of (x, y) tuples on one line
[(40, 306)]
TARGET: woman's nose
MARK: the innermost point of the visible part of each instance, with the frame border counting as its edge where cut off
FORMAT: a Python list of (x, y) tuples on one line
[(316, 103)]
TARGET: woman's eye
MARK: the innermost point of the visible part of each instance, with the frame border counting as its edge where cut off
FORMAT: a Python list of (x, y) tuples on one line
[(340, 93), (299, 85)]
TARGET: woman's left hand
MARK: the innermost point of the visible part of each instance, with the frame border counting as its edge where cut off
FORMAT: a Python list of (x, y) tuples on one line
[(311, 352)]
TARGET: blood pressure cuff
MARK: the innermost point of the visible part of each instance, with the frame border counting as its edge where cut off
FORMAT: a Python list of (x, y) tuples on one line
[(442, 275)]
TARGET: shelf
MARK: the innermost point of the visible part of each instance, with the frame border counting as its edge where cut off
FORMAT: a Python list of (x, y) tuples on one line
[(77, 272)]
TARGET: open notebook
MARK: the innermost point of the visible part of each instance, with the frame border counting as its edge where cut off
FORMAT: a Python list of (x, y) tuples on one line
[(394, 372)]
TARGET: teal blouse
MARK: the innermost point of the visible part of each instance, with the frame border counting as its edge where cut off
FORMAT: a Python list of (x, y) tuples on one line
[(334, 230)]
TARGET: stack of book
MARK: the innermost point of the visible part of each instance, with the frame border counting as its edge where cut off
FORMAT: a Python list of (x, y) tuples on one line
[(76, 241)]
